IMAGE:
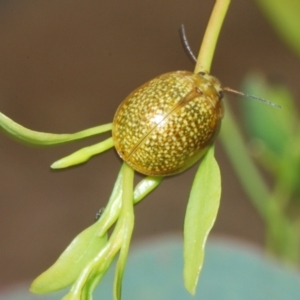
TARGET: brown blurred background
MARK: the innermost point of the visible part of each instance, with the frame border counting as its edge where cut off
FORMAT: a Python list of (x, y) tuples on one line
[(65, 65)]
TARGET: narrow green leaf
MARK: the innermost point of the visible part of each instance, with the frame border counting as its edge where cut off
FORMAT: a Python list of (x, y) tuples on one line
[(113, 208), (93, 283), (144, 187), (42, 138), (83, 154), (200, 216), (72, 261), (127, 218), (85, 292)]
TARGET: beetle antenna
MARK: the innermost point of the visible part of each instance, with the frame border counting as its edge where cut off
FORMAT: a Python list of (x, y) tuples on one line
[(186, 44), (229, 90), (190, 53)]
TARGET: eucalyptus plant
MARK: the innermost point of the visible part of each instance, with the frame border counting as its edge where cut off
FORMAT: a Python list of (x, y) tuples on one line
[(86, 260)]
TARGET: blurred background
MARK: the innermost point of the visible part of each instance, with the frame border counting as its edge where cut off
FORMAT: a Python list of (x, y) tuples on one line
[(66, 66)]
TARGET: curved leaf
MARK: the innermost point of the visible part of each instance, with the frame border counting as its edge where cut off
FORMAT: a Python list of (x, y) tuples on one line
[(42, 138)]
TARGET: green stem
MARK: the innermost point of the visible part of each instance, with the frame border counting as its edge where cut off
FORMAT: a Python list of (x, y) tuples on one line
[(211, 36), (248, 174)]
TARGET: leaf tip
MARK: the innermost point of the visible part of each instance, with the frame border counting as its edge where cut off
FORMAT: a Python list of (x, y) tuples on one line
[(59, 164), (37, 287)]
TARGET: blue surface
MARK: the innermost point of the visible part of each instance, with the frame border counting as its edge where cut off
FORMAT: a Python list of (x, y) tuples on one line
[(231, 272)]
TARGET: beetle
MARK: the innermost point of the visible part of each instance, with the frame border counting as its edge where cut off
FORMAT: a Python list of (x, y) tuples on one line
[(166, 125)]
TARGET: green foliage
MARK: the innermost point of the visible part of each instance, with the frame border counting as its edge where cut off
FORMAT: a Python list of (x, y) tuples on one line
[(23, 134), (86, 260)]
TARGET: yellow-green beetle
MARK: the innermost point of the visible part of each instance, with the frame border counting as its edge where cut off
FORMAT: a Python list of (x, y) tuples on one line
[(167, 124)]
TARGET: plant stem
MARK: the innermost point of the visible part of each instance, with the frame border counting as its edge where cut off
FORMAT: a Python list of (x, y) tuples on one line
[(249, 176), (211, 36)]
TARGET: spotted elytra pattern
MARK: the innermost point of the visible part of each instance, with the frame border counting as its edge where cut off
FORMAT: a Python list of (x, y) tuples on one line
[(167, 124)]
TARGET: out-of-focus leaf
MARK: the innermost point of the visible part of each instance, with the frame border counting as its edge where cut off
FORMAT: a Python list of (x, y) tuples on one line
[(69, 265), (284, 16), (273, 126), (200, 216), (277, 133)]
